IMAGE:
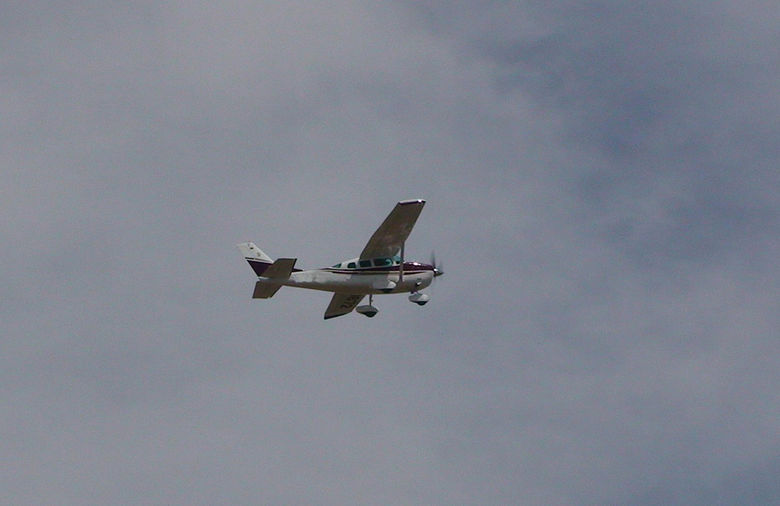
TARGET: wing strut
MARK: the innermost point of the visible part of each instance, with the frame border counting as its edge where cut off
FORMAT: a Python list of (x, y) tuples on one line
[(401, 267)]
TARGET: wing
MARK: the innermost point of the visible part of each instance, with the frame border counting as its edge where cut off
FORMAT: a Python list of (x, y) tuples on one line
[(342, 303), (392, 233)]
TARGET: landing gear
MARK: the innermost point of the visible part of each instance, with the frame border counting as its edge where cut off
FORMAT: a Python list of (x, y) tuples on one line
[(368, 310), (418, 298)]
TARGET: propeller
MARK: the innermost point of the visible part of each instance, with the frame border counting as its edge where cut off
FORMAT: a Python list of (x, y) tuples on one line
[(437, 271)]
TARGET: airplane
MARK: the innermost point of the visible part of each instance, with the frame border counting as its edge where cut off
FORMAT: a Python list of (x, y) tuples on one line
[(380, 269)]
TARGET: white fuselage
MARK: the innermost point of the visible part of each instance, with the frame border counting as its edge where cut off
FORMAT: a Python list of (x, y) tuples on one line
[(342, 281)]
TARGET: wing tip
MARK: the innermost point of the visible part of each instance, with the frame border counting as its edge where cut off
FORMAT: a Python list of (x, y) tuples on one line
[(411, 201)]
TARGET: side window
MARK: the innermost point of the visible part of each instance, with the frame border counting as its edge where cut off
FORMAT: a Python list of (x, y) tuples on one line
[(365, 263), (381, 262), (351, 265)]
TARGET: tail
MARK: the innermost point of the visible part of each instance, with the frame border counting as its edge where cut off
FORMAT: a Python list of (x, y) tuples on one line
[(258, 260), (264, 267)]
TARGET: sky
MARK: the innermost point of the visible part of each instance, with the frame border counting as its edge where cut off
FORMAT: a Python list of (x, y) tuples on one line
[(602, 189)]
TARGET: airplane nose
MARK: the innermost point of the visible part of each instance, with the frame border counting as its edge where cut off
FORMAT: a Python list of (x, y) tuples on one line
[(436, 268)]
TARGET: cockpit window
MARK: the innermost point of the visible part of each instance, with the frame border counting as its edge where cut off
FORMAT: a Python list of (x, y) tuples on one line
[(381, 262), (351, 265), (396, 260), (336, 266), (365, 263)]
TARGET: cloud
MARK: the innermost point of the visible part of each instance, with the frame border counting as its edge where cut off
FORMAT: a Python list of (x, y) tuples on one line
[(601, 187)]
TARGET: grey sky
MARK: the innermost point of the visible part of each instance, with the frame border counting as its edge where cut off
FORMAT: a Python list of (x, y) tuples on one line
[(602, 187)]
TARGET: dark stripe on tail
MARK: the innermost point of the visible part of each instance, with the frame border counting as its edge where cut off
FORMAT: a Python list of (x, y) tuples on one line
[(258, 266)]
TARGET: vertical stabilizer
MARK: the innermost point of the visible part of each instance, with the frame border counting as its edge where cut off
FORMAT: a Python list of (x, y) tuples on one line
[(250, 250), (257, 259)]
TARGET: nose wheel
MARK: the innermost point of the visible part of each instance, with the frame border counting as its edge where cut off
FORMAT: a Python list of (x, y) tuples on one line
[(419, 298)]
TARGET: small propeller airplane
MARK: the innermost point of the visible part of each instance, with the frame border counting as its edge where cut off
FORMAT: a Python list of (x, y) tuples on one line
[(381, 268)]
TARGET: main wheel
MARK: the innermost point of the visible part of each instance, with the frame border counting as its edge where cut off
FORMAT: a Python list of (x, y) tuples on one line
[(367, 310)]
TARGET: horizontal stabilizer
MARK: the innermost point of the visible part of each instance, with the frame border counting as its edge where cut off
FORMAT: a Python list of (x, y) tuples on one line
[(281, 269), (265, 290)]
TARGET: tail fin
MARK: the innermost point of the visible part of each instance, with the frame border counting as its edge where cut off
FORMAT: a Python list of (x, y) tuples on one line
[(276, 273), (251, 251), (257, 259), (262, 263), (264, 267)]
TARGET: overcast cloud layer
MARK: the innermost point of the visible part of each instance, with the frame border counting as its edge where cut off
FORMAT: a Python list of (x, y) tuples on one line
[(602, 187)]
